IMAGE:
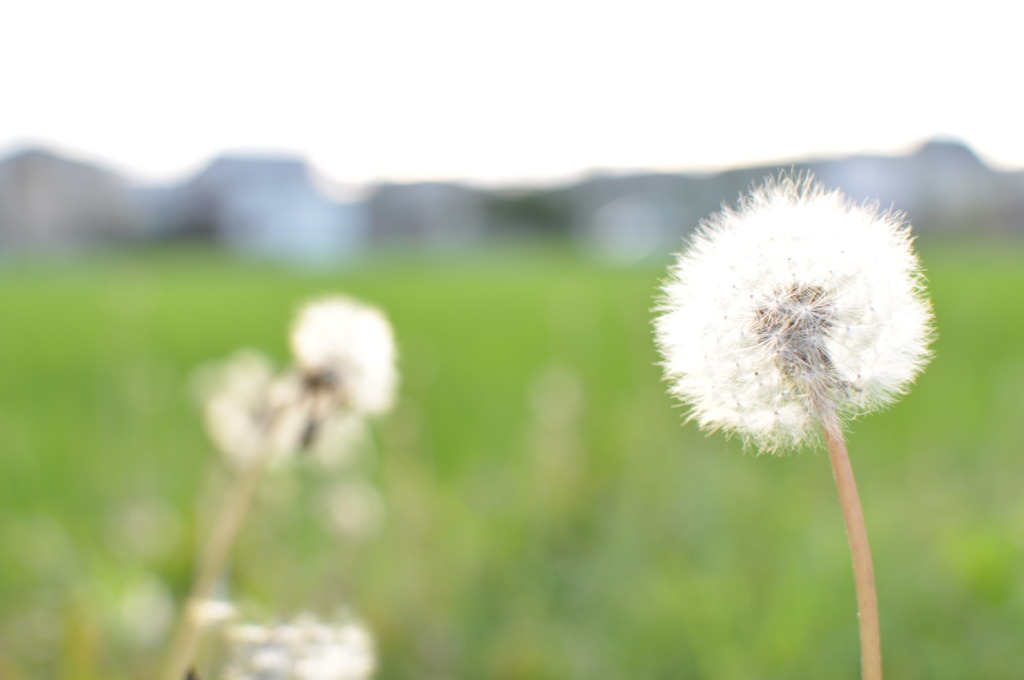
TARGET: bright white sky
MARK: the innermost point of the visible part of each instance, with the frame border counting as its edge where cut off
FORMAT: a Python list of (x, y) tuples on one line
[(507, 91)]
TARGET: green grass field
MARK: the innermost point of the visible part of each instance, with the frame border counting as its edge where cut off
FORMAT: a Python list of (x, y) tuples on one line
[(548, 517)]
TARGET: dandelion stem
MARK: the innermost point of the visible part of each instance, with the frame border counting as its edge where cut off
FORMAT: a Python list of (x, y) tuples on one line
[(211, 565), (860, 551)]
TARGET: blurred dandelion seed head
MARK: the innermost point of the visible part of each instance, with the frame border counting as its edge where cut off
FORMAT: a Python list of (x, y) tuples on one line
[(213, 611), (795, 303), (345, 371), (305, 649), (248, 406), (346, 349), (353, 508)]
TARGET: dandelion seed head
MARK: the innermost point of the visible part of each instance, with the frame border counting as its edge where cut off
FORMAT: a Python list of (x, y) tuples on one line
[(249, 406), (347, 349), (304, 649), (794, 303)]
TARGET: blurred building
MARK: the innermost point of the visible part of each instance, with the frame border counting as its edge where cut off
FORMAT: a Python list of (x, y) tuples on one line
[(622, 219), (943, 187), (431, 215), (259, 205), (275, 206), (48, 202)]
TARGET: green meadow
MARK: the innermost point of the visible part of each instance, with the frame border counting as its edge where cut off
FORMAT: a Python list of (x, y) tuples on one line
[(547, 513)]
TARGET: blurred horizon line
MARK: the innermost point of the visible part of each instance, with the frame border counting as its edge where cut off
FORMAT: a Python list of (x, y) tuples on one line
[(487, 181)]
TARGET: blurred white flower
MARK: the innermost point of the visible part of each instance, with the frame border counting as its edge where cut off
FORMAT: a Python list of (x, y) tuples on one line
[(796, 304), (248, 406), (143, 529), (146, 609), (346, 350), (340, 440), (213, 611), (353, 507), (305, 649)]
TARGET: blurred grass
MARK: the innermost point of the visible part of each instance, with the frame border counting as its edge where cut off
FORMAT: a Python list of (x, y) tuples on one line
[(547, 515)]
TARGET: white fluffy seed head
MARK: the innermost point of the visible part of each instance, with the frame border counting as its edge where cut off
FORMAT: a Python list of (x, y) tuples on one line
[(248, 407), (305, 649), (792, 305), (348, 349)]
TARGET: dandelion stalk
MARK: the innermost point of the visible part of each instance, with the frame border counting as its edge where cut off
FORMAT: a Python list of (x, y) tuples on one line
[(212, 563), (860, 552)]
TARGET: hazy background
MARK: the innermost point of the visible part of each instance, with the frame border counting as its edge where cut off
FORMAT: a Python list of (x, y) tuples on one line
[(507, 181), (507, 92)]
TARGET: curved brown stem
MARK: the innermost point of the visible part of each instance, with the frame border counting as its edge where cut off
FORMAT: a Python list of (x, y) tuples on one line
[(211, 565), (860, 551)]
